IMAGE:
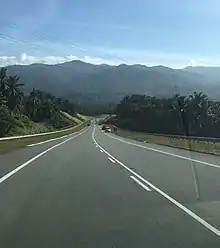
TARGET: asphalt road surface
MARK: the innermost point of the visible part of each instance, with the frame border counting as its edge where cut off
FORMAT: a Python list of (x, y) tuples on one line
[(98, 190)]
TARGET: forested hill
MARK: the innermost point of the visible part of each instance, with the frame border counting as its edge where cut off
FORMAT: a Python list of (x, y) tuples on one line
[(194, 115), (35, 112), (90, 84)]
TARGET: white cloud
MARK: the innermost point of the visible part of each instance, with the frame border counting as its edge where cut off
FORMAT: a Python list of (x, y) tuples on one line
[(25, 59), (192, 63)]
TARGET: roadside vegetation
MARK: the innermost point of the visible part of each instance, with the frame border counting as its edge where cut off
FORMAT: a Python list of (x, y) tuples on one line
[(31, 113), (193, 115), (83, 117), (74, 119), (152, 120), (210, 147)]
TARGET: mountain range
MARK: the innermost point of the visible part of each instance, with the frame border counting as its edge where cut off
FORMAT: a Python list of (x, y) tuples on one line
[(87, 83)]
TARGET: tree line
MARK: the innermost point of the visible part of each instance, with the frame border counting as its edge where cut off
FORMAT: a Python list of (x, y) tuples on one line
[(39, 106), (194, 115)]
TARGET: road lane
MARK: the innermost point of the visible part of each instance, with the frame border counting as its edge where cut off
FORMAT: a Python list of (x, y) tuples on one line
[(166, 172), (176, 169), (171, 174), (204, 158), (13, 159), (74, 196)]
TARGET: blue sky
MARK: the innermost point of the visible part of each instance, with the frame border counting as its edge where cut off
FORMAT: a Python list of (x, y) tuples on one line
[(168, 32)]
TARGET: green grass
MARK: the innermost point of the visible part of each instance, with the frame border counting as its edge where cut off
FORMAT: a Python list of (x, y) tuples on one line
[(83, 117), (22, 125), (8, 145), (74, 119), (194, 145), (103, 117)]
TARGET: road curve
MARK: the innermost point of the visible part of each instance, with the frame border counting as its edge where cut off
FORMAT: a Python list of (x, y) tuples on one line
[(98, 190)]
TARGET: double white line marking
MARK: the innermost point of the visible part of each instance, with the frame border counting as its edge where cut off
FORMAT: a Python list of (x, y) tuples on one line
[(113, 161), (140, 183)]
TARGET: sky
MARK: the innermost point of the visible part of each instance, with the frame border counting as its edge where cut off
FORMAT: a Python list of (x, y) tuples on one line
[(151, 32)]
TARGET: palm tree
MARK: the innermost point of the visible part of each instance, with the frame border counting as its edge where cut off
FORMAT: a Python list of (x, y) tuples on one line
[(199, 101), (5, 117), (33, 103), (197, 109), (3, 81), (14, 94), (179, 112)]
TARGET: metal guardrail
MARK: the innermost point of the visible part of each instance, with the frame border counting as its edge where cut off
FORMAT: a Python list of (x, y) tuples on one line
[(38, 134), (213, 139)]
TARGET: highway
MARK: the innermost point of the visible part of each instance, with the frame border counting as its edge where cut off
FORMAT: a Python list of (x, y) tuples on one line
[(95, 189)]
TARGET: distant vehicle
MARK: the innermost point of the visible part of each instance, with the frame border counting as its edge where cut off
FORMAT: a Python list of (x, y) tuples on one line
[(108, 130)]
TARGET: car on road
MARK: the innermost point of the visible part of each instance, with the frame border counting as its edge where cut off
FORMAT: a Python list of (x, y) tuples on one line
[(108, 130)]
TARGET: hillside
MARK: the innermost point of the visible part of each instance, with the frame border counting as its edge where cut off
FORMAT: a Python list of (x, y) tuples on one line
[(35, 112), (94, 84), (210, 73)]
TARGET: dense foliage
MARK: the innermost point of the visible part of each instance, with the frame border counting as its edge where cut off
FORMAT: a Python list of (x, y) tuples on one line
[(194, 115), (38, 106)]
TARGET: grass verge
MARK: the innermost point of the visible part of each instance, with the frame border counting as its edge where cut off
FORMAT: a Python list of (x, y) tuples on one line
[(209, 147), (74, 119), (102, 117), (83, 117), (8, 145)]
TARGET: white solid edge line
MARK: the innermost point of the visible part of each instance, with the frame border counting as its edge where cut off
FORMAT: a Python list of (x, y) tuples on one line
[(166, 153), (46, 141), (5, 177), (169, 198), (37, 134), (140, 183), (113, 161), (42, 142)]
